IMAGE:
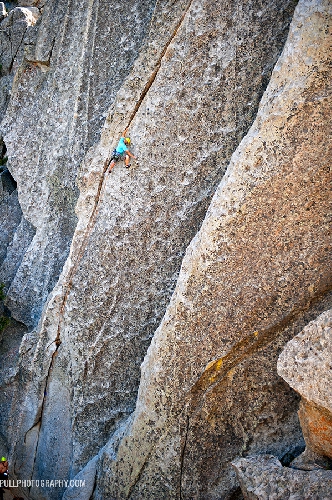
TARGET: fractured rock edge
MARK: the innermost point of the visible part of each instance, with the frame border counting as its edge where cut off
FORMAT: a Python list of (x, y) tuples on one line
[(306, 361)]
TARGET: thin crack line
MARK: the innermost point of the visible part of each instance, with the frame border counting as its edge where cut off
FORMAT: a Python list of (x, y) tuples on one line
[(83, 245), (39, 421), (16, 52), (158, 65), (183, 451), (57, 340)]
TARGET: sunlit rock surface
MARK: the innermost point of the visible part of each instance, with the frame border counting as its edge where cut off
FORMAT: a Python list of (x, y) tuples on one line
[(101, 253), (264, 478), (306, 364), (254, 275), (133, 227), (74, 64)]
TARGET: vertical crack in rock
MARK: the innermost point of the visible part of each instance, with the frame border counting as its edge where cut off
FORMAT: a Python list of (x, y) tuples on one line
[(91, 219), (68, 286), (89, 228), (39, 417), (183, 452), (158, 64), (83, 245), (14, 55)]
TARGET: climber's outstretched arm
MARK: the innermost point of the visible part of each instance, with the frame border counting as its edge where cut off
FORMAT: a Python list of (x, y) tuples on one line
[(130, 154)]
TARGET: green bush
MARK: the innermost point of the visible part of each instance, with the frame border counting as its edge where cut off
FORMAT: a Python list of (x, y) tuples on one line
[(4, 320)]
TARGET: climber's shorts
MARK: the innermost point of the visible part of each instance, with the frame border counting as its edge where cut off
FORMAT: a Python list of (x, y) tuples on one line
[(118, 156)]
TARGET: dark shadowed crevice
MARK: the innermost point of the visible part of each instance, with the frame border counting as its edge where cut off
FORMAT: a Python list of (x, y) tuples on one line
[(8, 182), (183, 451), (290, 455), (236, 495)]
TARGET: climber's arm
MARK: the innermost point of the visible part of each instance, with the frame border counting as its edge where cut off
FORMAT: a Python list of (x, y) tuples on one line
[(130, 154)]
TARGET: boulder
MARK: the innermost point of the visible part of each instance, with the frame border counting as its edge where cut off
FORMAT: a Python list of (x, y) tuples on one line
[(306, 361), (316, 424), (305, 364), (264, 478)]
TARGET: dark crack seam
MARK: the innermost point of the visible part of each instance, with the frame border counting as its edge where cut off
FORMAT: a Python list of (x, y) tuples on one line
[(183, 451), (138, 105), (39, 421), (158, 64), (101, 181), (18, 48), (57, 340), (82, 249), (99, 192)]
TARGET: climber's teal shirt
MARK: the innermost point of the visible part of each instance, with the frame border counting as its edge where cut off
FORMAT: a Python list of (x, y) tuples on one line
[(121, 147)]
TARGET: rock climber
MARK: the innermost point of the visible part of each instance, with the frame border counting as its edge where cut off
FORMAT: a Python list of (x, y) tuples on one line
[(121, 152), (3, 475)]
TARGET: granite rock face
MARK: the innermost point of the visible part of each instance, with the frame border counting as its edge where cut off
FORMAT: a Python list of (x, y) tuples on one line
[(10, 341), (256, 273), (306, 364), (133, 227), (93, 284), (74, 63), (13, 29), (10, 211), (264, 478)]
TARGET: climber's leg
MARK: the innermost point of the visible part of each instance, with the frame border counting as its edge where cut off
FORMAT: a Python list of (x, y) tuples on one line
[(111, 165), (127, 160)]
